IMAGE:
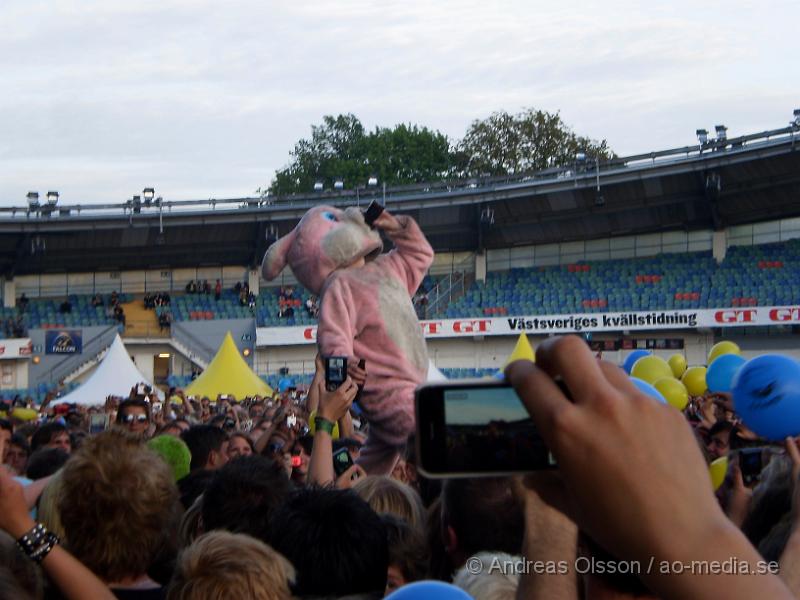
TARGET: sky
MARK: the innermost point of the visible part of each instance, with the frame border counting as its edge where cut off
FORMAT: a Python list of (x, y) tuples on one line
[(481, 406), (205, 99)]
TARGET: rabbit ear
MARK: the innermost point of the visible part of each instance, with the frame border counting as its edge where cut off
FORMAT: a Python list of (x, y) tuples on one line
[(276, 256)]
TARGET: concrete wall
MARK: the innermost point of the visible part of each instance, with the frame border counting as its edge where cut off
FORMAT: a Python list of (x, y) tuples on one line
[(211, 333), (40, 373)]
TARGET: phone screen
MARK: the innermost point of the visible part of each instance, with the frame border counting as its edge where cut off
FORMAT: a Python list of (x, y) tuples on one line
[(335, 372), (751, 464), (341, 461), (476, 428), (98, 423)]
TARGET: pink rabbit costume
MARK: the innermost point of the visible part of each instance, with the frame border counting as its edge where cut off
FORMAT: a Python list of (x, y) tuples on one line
[(365, 312)]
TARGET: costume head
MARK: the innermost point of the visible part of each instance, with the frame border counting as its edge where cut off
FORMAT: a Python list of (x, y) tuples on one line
[(325, 239)]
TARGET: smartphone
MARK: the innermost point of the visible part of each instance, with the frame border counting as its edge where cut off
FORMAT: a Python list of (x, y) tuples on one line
[(751, 463), (342, 461), (157, 406), (374, 210), (291, 421), (476, 428), (335, 372), (98, 422)]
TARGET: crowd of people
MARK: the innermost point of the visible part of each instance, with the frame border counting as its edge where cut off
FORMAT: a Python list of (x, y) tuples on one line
[(210, 498)]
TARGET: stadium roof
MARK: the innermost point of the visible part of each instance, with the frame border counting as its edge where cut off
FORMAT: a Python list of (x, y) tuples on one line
[(709, 186)]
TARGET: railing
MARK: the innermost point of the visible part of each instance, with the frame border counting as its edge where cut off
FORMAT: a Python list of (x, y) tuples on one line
[(400, 193), (451, 287), (192, 343), (90, 349)]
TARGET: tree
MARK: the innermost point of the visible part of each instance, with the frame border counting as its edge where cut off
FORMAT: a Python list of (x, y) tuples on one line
[(531, 140), (340, 148)]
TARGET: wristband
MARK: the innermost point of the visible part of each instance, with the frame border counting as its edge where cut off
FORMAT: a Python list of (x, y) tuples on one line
[(37, 543), (322, 424)]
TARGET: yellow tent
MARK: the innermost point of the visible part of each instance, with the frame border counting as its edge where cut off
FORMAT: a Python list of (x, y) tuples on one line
[(228, 373)]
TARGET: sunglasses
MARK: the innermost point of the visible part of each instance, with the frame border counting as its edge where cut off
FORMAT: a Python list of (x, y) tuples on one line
[(136, 418)]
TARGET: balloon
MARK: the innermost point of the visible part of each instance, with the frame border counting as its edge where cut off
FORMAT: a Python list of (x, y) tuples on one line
[(766, 395), (648, 389), (651, 369), (312, 426), (721, 349), (674, 392), (522, 351), (24, 414), (721, 372), (718, 469), (695, 381), (429, 590), (677, 362), (632, 358)]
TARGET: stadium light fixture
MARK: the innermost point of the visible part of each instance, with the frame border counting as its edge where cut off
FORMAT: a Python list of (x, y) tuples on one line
[(722, 132), (702, 136), (33, 199), (372, 181), (796, 115), (338, 184), (52, 198), (148, 193), (137, 204), (580, 156), (318, 186)]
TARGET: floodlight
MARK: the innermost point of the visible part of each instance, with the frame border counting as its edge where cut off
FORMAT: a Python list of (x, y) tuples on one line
[(722, 132), (33, 199), (137, 204), (338, 184), (148, 194), (796, 115), (580, 156), (372, 181), (702, 135), (318, 186), (52, 198)]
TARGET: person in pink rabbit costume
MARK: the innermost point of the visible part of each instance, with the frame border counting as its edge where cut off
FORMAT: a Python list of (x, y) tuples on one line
[(366, 311)]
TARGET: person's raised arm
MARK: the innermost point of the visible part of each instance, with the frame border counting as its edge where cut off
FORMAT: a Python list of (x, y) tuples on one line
[(312, 398), (790, 558), (413, 254), (332, 407), (72, 578), (636, 476)]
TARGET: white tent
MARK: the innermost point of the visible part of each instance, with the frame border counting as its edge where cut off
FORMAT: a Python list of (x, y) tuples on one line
[(115, 376)]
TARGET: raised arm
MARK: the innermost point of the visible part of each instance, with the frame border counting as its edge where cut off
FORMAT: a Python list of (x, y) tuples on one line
[(412, 255)]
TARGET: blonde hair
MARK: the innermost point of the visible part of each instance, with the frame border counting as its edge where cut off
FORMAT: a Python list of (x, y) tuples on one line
[(48, 514), (116, 504), (390, 496), (496, 579), (221, 565)]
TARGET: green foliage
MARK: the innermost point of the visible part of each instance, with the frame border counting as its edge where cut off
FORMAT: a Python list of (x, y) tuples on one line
[(531, 140), (501, 144)]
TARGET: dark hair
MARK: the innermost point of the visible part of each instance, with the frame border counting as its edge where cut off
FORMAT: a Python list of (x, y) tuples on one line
[(484, 514), (45, 433), (130, 402), (6, 424), (194, 484), (720, 427), (202, 440), (243, 494), (18, 439), (407, 548), (335, 541), (45, 461)]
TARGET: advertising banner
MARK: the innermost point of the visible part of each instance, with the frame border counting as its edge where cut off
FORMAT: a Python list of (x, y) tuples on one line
[(63, 341)]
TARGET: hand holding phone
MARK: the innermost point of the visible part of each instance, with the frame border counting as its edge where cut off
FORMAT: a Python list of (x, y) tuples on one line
[(335, 372), (342, 461), (374, 210)]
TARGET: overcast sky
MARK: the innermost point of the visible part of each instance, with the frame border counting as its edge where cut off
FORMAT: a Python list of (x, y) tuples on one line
[(201, 99)]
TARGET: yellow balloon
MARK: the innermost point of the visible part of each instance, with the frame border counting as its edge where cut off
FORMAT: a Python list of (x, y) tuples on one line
[(695, 381), (312, 427), (673, 391), (717, 470), (677, 362), (721, 348), (651, 369)]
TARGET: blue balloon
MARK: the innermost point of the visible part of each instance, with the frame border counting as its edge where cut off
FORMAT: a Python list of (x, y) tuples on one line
[(766, 395), (632, 358), (648, 389), (429, 590), (721, 372), (284, 383)]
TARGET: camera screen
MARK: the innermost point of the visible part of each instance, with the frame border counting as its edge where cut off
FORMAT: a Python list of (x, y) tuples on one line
[(489, 429), (336, 372)]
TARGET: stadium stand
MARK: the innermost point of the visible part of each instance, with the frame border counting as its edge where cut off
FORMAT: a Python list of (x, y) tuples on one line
[(46, 313)]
